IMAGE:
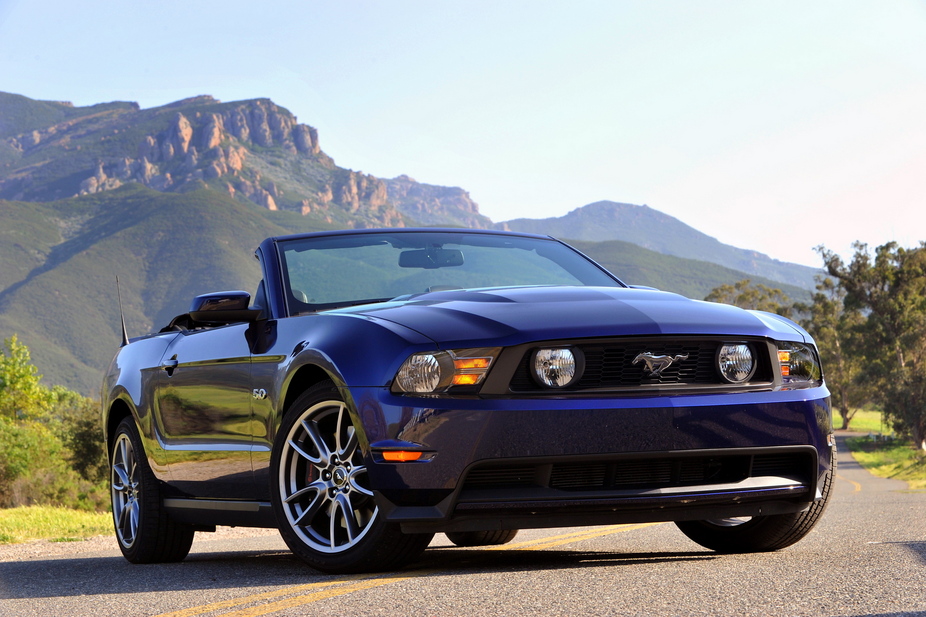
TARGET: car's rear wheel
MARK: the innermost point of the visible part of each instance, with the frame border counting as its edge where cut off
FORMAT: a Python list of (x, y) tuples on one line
[(322, 494), (482, 538), (145, 531), (759, 533)]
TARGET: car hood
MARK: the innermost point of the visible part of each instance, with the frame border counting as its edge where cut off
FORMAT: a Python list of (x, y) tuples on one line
[(505, 316)]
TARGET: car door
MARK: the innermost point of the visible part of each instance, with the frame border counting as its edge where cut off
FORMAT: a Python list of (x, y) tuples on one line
[(203, 412)]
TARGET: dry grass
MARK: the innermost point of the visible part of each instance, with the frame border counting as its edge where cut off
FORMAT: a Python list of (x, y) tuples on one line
[(49, 523)]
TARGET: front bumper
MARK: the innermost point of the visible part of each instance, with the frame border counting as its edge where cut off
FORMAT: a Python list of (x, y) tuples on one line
[(514, 463)]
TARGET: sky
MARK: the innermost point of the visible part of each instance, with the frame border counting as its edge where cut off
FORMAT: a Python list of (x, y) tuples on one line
[(775, 126)]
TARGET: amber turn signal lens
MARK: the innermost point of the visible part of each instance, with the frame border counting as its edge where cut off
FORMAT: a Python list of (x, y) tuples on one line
[(401, 456), (471, 363)]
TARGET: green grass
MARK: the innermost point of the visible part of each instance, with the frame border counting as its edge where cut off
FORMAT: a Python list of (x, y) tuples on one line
[(864, 421), (49, 523), (890, 459)]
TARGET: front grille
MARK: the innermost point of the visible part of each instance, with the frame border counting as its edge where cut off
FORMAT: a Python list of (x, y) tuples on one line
[(609, 365), (499, 477), (783, 465), (639, 474)]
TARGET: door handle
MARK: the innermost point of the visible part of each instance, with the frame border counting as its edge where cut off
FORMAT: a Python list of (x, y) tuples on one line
[(170, 365)]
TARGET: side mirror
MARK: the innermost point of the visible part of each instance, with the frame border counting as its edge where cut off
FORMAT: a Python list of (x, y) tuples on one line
[(223, 307)]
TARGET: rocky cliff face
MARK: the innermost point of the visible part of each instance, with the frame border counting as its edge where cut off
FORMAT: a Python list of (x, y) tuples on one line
[(252, 150), (435, 205), (217, 148)]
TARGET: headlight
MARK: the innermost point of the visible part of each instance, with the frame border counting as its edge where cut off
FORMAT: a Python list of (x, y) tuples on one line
[(437, 371), (557, 367), (799, 365), (736, 362)]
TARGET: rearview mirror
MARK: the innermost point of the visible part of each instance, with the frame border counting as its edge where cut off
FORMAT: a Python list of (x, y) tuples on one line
[(431, 258)]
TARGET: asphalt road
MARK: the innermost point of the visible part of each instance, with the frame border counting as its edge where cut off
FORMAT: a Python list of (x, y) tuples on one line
[(866, 557)]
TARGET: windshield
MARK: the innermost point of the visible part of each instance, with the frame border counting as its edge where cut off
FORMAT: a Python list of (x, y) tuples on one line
[(334, 271)]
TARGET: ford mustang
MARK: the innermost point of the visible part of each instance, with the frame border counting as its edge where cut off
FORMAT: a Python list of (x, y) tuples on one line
[(384, 385)]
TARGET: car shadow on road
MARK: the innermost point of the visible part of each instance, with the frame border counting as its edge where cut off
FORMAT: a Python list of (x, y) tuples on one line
[(92, 576), (455, 560)]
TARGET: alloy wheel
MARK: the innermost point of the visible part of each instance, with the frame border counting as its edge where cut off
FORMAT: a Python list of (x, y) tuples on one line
[(323, 482), (125, 490)]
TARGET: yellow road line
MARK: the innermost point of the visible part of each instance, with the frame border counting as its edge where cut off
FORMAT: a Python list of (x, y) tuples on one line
[(588, 535), (273, 607), (215, 606), (565, 538), (856, 486), (338, 587), (526, 543)]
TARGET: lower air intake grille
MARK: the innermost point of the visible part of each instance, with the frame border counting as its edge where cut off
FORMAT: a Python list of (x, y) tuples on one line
[(639, 474)]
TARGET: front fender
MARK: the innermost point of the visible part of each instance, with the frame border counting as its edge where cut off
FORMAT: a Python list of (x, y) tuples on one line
[(351, 350), (130, 385)]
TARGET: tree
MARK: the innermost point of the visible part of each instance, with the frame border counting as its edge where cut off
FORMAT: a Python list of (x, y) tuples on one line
[(890, 287), (51, 441), (837, 333), (80, 429), (755, 297), (21, 394)]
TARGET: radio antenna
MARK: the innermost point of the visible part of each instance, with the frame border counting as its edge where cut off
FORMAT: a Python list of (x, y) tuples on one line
[(125, 334)]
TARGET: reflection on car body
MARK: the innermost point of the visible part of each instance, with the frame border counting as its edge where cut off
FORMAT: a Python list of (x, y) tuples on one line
[(385, 385)]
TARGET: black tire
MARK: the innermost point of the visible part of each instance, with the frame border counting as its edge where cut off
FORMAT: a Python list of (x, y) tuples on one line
[(482, 538), (760, 533), (321, 494), (145, 531)]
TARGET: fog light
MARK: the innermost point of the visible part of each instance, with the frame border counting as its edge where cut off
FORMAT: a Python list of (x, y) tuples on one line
[(736, 362), (557, 367)]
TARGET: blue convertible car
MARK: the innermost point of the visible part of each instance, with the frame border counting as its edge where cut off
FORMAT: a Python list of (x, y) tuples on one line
[(385, 385)]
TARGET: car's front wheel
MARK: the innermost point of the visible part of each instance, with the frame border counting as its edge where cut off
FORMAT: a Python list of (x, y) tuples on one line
[(322, 495), (759, 533), (145, 531)]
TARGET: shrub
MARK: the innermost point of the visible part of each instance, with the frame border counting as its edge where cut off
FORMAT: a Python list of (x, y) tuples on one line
[(51, 441)]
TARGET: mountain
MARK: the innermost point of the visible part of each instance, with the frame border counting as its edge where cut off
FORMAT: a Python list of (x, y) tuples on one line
[(173, 200), (692, 278), (252, 150), (654, 230)]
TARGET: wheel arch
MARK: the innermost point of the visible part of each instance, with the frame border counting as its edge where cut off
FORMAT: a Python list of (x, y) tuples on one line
[(117, 412), (311, 373), (304, 378)]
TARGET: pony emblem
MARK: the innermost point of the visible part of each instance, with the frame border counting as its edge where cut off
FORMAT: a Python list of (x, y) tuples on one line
[(655, 365)]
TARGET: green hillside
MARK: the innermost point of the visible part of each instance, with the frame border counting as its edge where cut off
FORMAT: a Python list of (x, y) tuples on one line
[(165, 249)]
